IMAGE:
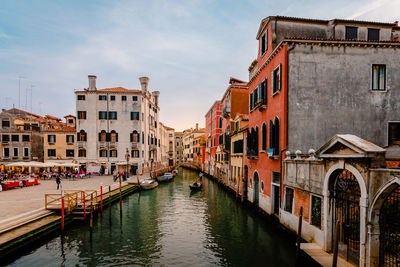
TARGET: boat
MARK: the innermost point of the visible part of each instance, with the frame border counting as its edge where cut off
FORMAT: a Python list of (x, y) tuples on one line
[(175, 171), (171, 175), (165, 178), (196, 185), (148, 184)]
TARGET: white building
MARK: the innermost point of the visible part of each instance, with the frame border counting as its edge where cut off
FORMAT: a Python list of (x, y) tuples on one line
[(112, 122)]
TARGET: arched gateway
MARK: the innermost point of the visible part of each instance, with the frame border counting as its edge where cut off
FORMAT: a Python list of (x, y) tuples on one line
[(344, 194), (389, 230)]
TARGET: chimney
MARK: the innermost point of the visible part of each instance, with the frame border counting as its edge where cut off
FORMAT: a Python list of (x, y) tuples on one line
[(197, 126), (144, 82), (156, 94), (92, 82)]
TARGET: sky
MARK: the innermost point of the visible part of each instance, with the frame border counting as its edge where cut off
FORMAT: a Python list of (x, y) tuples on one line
[(188, 49)]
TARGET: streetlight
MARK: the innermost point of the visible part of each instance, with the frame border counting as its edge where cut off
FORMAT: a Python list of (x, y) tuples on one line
[(127, 157)]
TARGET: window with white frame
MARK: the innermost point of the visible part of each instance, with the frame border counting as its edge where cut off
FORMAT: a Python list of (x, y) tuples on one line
[(289, 196), (276, 80), (378, 77)]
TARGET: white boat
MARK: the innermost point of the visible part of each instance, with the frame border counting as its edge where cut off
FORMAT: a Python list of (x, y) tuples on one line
[(148, 184), (164, 178)]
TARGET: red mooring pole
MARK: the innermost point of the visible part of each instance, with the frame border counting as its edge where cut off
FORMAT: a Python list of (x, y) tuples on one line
[(62, 210), (84, 205), (101, 198)]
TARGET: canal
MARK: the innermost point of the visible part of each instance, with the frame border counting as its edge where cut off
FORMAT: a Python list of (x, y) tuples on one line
[(170, 226)]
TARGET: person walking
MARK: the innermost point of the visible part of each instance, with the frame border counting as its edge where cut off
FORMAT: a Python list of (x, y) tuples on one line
[(58, 181)]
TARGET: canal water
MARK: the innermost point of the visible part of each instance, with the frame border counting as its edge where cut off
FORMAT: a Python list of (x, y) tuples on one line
[(170, 226)]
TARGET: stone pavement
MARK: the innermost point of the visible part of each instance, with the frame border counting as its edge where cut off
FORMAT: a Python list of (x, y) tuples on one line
[(19, 201)]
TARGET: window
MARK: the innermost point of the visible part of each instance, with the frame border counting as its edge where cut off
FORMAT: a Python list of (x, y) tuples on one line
[(123, 98), (80, 97), (263, 94), (394, 133), (316, 211), (70, 139), (378, 77), (102, 153), (220, 122), (5, 124), (373, 34), (112, 98), (70, 121), (102, 136), (112, 115), (262, 186), (274, 136), (113, 136), (264, 43), (6, 152), (81, 115), (69, 152), (25, 138), (135, 137), (5, 138), (51, 152), (102, 115), (51, 139), (113, 153), (26, 152), (351, 33), (15, 138), (238, 146), (135, 153), (264, 137), (15, 152), (82, 153), (134, 98), (289, 194), (82, 136), (102, 97), (135, 116), (276, 80), (252, 143), (142, 137)]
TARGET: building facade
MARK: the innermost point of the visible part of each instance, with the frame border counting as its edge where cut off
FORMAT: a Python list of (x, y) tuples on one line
[(179, 147), (115, 122), (214, 121)]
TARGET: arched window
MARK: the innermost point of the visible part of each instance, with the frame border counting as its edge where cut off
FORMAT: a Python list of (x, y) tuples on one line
[(82, 136), (135, 137), (103, 136), (264, 137), (113, 136)]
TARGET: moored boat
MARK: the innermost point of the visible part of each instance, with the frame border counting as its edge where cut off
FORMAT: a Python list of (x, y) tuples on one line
[(164, 178), (148, 184), (175, 171), (196, 185)]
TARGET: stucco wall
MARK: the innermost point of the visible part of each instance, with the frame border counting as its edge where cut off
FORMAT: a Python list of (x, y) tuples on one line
[(330, 93)]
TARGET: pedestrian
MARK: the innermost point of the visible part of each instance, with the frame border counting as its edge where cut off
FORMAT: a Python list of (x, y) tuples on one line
[(58, 181)]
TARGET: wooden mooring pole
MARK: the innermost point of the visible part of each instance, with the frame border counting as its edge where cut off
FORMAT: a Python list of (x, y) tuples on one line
[(62, 209), (84, 205), (91, 215), (335, 245), (109, 202), (299, 233), (120, 198), (101, 198)]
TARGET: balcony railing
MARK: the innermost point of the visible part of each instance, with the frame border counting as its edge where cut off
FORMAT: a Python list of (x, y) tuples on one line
[(5, 143), (81, 143), (226, 111), (153, 147), (134, 144), (102, 144), (113, 144)]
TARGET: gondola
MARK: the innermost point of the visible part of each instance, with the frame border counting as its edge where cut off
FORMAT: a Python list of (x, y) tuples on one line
[(196, 185)]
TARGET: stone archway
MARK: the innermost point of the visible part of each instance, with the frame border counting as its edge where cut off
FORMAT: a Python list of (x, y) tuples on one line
[(380, 228), (331, 177)]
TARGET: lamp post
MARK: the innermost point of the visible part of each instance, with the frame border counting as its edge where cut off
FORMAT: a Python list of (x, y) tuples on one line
[(127, 157)]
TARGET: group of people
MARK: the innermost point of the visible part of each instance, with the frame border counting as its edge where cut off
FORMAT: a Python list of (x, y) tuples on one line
[(122, 175)]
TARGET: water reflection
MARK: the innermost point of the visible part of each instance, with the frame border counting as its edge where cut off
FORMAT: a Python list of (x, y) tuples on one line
[(170, 226)]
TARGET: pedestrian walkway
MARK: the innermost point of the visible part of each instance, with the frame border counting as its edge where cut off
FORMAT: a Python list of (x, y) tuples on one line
[(322, 257), (19, 201)]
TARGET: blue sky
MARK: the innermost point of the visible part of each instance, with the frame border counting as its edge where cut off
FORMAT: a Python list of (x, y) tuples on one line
[(189, 49)]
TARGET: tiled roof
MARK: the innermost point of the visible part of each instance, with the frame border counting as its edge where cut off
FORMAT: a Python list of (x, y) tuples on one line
[(62, 129), (119, 90), (53, 118), (168, 128)]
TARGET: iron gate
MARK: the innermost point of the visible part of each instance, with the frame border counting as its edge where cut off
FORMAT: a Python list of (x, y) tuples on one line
[(345, 193), (389, 227)]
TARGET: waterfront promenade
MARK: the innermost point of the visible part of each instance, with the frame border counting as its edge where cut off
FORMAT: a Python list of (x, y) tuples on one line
[(16, 202)]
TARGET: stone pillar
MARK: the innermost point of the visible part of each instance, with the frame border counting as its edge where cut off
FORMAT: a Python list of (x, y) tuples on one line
[(363, 232)]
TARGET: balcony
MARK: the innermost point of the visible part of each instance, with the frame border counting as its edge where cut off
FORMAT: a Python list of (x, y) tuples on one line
[(5, 143), (113, 144), (153, 147), (208, 150), (134, 144), (102, 144), (226, 111), (81, 143)]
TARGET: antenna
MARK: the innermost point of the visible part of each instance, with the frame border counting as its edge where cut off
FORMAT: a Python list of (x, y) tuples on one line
[(31, 95)]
